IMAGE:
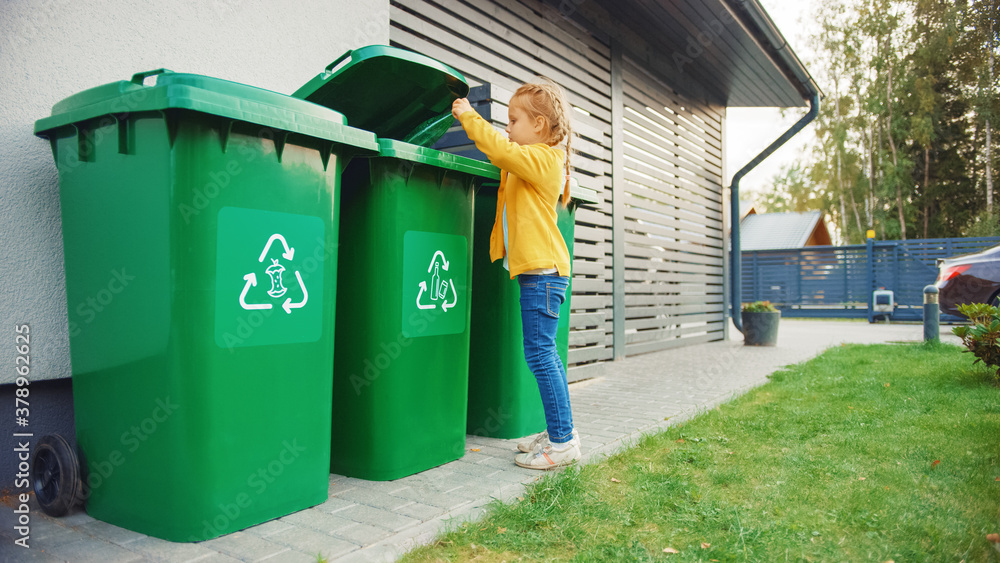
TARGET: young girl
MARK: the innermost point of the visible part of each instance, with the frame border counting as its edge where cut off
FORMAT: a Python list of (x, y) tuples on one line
[(525, 235)]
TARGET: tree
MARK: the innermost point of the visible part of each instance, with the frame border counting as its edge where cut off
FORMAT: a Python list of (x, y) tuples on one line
[(905, 129), (939, 124), (835, 166), (982, 23), (791, 190)]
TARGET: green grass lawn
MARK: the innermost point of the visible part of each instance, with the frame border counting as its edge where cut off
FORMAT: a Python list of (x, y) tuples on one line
[(866, 453)]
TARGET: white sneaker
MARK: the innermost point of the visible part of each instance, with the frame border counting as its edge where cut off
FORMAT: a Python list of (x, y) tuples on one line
[(539, 441), (548, 457)]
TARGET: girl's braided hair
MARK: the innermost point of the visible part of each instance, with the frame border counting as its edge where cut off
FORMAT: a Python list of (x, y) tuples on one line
[(546, 98)]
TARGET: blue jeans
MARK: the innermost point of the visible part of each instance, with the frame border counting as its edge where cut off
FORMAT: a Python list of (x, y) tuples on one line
[(541, 297)]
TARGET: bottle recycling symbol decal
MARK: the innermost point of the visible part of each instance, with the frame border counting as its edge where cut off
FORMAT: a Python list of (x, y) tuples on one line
[(274, 271), (435, 296), (439, 289)]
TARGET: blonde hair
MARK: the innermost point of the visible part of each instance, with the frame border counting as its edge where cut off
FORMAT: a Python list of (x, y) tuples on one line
[(547, 99)]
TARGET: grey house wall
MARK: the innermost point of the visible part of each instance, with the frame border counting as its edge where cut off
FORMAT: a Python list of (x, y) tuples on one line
[(50, 49), (648, 271), (649, 268)]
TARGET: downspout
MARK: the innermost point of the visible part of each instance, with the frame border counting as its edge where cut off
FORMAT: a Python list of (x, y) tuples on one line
[(735, 277)]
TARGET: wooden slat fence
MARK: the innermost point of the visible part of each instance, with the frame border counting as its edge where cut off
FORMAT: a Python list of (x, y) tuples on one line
[(673, 217)]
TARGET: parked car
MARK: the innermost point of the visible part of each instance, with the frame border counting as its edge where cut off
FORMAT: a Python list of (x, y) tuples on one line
[(970, 278)]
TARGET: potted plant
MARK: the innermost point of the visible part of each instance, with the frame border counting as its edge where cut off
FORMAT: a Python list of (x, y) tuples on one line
[(760, 323)]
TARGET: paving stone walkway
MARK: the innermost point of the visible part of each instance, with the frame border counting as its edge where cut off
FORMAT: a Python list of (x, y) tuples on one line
[(367, 521)]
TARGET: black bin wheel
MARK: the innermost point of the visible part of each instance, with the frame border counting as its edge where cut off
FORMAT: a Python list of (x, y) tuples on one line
[(55, 475)]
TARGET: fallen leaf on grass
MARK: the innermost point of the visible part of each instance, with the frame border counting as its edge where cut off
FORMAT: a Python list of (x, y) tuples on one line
[(995, 540), (886, 384), (935, 462), (613, 480), (705, 545), (861, 478), (997, 479), (680, 441), (501, 530), (670, 550)]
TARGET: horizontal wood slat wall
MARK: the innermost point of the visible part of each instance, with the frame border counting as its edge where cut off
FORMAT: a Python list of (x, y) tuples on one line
[(506, 43), (673, 169), (673, 217)]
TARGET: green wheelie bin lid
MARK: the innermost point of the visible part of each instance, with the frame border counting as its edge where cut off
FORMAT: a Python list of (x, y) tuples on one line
[(395, 93), (390, 148), (581, 194), (208, 95)]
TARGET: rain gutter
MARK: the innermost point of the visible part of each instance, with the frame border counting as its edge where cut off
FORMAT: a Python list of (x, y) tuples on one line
[(800, 77)]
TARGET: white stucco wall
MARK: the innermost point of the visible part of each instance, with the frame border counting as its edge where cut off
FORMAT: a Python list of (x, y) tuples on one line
[(50, 49)]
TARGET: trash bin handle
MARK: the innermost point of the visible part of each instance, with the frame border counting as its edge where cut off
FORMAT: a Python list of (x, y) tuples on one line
[(340, 59), (140, 77)]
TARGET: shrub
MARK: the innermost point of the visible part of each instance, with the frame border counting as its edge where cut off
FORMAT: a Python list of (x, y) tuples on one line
[(759, 307), (982, 336), (985, 224)]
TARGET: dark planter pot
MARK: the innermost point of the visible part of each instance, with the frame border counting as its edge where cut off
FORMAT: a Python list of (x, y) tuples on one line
[(760, 329)]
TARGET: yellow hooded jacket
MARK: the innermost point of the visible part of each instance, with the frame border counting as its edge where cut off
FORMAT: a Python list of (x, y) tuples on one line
[(531, 181)]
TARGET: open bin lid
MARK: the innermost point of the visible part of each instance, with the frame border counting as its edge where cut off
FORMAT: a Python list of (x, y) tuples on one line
[(395, 93), (207, 95)]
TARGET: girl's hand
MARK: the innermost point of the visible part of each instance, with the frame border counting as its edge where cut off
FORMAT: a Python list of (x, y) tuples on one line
[(460, 106)]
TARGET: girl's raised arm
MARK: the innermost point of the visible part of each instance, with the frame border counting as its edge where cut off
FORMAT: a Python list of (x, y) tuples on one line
[(525, 162)]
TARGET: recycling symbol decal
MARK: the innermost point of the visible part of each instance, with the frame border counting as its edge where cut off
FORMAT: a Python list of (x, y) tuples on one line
[(274, 271), (440, 291), (435, 296), (264, 261)]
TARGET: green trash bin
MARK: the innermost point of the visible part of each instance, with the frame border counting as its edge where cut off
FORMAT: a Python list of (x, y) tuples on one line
[(503, 396), (400, 375), (200, 236)]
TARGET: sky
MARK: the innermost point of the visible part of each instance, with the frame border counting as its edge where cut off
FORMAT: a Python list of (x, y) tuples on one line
[(751, 130)]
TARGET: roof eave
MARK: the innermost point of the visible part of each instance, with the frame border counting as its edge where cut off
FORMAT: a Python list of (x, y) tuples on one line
[(773, 43)]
